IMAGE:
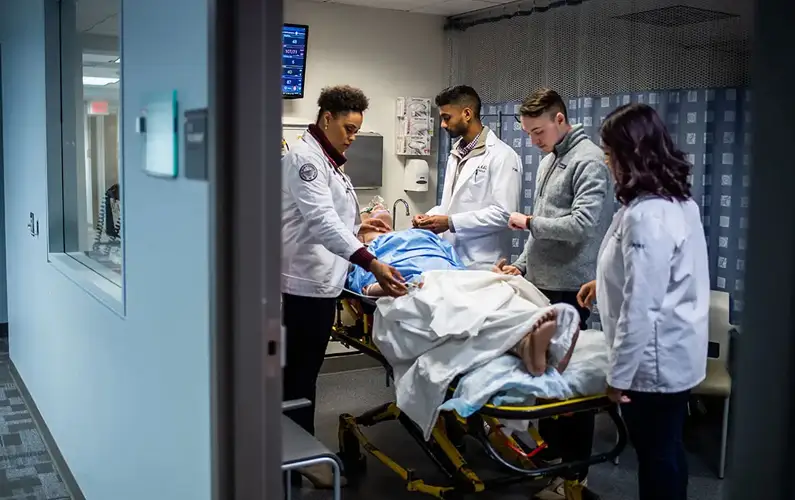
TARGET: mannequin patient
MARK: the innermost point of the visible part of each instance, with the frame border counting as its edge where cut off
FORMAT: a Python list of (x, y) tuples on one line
[(410, 251), (414, 251)]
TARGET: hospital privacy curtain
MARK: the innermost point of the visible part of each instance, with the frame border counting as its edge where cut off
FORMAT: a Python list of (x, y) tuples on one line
[(711, 126)]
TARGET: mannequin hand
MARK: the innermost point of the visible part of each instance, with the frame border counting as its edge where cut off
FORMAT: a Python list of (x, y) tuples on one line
[(519, 221), (502, 268), (587, 294)]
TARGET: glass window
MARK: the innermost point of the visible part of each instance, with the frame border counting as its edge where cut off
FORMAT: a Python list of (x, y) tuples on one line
[(89, 225)]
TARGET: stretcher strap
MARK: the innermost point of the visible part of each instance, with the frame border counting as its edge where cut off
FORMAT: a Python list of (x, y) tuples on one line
[(518, 450)]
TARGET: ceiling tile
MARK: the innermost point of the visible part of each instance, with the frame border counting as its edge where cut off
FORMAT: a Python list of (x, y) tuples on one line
[(453, 7)]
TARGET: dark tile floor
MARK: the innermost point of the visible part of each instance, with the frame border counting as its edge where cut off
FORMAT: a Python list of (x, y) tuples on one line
[(358, 391), (26, 468), (27, 471)]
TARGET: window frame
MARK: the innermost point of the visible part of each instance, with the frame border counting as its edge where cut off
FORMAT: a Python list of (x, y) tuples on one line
[(63, 144)]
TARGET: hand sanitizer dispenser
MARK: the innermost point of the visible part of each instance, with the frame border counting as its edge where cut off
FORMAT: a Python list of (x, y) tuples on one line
[(416, 176)]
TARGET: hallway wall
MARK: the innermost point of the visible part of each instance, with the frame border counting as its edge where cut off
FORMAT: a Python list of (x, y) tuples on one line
[(3, 276), (127, 399)]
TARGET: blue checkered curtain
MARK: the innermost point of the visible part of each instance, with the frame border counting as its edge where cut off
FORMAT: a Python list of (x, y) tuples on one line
[(711, 126)]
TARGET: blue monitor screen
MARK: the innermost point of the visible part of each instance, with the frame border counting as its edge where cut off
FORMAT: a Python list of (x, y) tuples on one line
[(294, 38)]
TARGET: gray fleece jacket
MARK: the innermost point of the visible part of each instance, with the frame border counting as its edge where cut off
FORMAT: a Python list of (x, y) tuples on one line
[(571, 213)]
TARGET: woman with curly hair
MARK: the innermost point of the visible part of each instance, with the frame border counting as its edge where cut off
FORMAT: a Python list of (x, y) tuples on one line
[(320, 221), (652, 285)]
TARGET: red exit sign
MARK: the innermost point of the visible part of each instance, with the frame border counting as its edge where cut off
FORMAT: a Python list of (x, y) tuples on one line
[(98, 108)]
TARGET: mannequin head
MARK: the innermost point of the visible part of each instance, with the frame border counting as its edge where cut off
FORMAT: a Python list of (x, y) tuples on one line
[(381, 214)]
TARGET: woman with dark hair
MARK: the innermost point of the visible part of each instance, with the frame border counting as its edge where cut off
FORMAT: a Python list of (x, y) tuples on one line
[(320, 221), (652, 286)]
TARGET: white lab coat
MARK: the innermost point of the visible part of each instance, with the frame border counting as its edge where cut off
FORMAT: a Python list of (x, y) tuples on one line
[(488, 189), (320, 218), (653, 293)]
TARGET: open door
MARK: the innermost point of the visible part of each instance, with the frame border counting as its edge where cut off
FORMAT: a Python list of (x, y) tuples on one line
[(244, 137)]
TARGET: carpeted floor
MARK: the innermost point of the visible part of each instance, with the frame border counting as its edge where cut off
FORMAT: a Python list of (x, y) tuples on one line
[(27, 471)]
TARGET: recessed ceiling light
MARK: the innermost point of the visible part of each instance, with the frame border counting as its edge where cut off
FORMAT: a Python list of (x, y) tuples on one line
[(98, 81)]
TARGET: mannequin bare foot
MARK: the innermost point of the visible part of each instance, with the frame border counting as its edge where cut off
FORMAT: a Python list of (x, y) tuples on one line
[(532, 349)]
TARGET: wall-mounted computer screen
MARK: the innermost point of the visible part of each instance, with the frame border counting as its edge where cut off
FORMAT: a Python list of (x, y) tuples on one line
[(294, 39)]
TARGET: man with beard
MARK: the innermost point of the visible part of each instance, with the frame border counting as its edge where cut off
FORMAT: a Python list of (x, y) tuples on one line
[(482, 183)]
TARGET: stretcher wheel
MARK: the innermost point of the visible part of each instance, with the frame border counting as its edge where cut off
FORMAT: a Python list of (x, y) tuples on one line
[(353, 460)]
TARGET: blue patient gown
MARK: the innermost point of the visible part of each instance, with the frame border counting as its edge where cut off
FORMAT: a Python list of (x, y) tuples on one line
[(411, 252)]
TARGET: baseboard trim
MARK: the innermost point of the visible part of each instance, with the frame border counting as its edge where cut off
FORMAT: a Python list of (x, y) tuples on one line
[(58, 459), (3, 330)]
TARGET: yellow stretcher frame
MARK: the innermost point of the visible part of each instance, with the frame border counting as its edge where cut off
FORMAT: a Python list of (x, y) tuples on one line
[(515, 458)]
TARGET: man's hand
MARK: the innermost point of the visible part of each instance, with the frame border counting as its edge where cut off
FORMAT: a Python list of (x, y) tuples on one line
[(392, 283), (617, 396), (501, 267), (436, 223), (417, 219), (374, 225), (587, 294), (519, 221)]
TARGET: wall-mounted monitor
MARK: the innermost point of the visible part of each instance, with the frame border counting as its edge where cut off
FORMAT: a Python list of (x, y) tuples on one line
[(294, 40)]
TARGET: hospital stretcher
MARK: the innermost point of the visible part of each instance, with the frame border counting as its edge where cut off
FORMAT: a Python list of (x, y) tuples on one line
[(516, 460)]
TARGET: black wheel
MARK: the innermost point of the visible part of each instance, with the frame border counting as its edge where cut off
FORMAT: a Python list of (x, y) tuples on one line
[(354, 467), (354, 462)]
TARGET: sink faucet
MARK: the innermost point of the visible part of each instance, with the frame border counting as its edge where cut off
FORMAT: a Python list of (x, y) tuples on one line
[(394, 209)]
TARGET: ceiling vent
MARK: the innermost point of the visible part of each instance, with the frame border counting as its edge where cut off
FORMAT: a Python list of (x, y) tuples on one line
[(675, 16)]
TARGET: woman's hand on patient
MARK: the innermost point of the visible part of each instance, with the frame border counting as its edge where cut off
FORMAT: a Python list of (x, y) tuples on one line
[(392, 283), (587, 294), (374, 225)]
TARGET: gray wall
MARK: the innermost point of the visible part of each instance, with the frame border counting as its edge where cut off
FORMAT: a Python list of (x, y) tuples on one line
[(3, 285), (126, 398)]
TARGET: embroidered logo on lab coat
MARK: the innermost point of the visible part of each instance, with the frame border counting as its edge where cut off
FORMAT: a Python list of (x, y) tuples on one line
[(308, 172)]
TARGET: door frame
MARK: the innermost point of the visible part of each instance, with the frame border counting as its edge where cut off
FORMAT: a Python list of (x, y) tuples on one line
[(764, 385), (244, 144)]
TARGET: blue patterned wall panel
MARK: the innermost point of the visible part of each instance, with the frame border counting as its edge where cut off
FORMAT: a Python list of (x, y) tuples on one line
[(710, 126)]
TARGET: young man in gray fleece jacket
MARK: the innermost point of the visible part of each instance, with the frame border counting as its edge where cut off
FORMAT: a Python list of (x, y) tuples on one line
[(571, 214)]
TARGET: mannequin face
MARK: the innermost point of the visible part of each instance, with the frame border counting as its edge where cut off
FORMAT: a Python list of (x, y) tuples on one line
[(381, 214), (341, 130)]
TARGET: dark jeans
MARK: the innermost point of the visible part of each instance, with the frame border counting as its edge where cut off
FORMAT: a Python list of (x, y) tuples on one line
[(307, 322), (570, 438), (656, 423)]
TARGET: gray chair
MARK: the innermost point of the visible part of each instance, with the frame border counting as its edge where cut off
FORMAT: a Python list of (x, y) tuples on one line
[(301, 449), (718, 382)]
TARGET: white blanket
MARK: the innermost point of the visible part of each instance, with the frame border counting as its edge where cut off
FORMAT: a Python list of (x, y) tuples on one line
[(458, 321), (505, 382)]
